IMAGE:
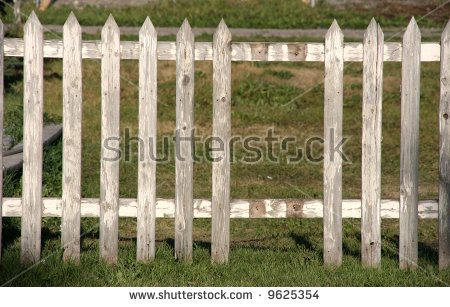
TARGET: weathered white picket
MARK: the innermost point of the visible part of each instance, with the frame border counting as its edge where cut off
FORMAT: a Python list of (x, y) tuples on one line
[(2, 70), (444, 152), (72, 115), (184, 162), (409, 146), (332, 160), (109, 172), (220, 234), (33, 107), (373, 52), (371, 146), (147, 133)]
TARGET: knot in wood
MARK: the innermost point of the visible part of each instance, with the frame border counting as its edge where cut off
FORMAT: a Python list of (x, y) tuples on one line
[(186, 80)]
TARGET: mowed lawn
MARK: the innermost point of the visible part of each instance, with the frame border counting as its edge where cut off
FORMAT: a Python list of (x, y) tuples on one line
[(287, 97)]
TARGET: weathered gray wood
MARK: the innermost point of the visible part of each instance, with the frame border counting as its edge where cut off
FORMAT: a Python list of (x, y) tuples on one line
[(184, 166), (220, 235), (292, 52), (17, 17), (13, 158), (72, 114), (109, 173), (239, 208), (33, 105), (2, 69), (409, 146), (332, 167), (147, 133), (444, 152), (371, 146)]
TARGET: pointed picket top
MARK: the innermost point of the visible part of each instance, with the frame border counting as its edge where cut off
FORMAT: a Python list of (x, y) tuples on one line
[(147, 28), (373, 31), (32, 20), (412, 30), (380, 33), (222, 38), (335, 31), (372, 26), (222, 29), (445, 37), (185, 29), (110, 25), (71, 21)]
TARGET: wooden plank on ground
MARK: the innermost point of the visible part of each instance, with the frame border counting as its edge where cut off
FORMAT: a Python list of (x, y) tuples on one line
[(220, 235), (72, 114), (332, 167), (409, 146), (371, 146), (184, 166), (444, 152), (109, 173), (33, 106), (147, 145)]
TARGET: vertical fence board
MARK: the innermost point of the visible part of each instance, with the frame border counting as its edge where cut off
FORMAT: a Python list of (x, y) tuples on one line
[(2, 69), (146, 210), (72, 112), (371, 146), (409, 146), (184, 168), (33, 105), (109, 174), (220, 236), (332, 167), (444, 152)]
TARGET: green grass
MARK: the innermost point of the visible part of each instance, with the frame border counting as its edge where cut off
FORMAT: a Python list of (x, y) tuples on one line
[(275, 252), (242, 14), (282, 252)]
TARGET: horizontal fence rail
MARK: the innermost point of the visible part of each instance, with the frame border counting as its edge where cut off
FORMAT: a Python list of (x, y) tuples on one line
[(284, 52), (373, 52), (239, 208)]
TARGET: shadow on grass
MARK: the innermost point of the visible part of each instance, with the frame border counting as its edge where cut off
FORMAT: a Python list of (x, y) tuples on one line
[(302, 240), (197, 244), (11, 231)]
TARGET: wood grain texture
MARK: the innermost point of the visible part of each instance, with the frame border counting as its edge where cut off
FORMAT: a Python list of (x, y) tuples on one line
[(409, 146), (371, 146), (184, 164), (332, 167), (2, 70), (240, 51), (17, 17), (444, 152), (72, 115), (147, 133), (33, 105), (239, 208), (220, 235), (109, 172)]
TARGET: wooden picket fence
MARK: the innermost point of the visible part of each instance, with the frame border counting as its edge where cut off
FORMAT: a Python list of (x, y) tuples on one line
[(334, 52)]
